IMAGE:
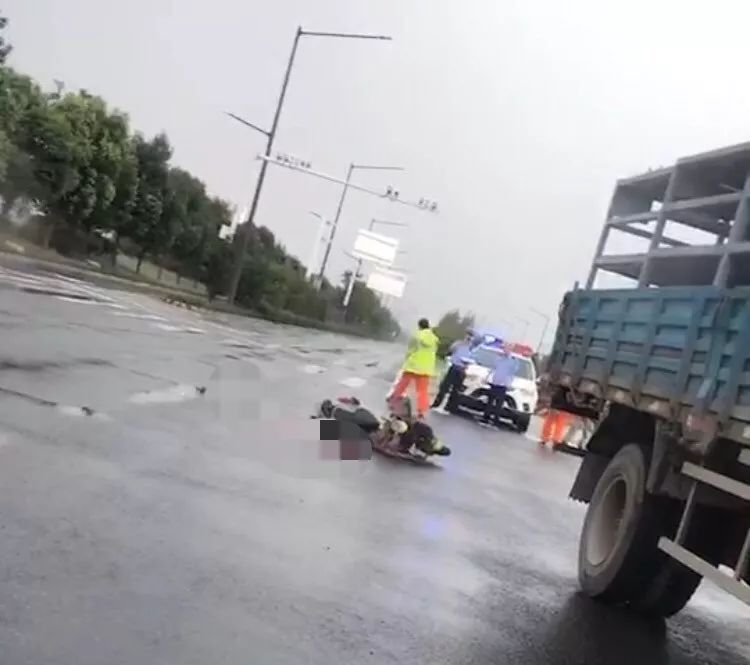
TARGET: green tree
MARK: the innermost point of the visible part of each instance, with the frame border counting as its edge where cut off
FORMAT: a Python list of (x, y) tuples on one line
[(193, 219), (215, 213), (101, 153), (119, 217), (451, 327), (217, 267), (73, 154), (6, 151), (53, 160), (145, 226), (5, 48), (19, 97), (365, 309)]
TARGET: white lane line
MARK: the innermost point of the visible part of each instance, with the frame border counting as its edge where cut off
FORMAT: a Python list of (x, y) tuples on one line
[(68, 279), (144, 317), (167, 327), (313, 369), (23, 281), (173, 395), (79, 301)]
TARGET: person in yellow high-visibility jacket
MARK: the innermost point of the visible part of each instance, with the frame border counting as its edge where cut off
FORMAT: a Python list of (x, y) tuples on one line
[(419, 366)]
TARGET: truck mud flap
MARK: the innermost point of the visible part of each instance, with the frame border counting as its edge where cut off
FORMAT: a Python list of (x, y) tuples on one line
[(590, 471)]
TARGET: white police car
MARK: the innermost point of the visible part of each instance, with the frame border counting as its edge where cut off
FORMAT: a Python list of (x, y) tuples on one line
[(522, 396)]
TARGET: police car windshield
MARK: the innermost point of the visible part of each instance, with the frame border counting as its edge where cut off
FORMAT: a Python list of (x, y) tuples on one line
[(486, 358), (524, 369)]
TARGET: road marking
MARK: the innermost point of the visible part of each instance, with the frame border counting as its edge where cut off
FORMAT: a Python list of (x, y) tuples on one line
[(80, 412), (313, 369), (144, 317), (173, 395), (79, 301), (168, 327), (353, 382), (68, 279)]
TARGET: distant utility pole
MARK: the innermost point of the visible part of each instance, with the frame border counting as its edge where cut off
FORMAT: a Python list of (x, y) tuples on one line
[(270, 136), (335, 223), (544, 329), (424, 204)]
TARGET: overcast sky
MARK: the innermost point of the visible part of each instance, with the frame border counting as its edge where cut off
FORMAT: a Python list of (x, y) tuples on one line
[(517, 117)]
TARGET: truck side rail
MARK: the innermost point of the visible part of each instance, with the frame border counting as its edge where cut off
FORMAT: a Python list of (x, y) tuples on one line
[(733, 583), (676, 352)]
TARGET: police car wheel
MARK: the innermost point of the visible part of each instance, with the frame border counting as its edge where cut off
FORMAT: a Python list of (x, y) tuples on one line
[(522, 424)]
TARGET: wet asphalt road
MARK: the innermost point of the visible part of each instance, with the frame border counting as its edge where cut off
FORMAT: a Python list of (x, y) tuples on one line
[(163, 524)]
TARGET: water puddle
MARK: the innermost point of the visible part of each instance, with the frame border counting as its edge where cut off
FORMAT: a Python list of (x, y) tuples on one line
[(81, 412), (313, 369)]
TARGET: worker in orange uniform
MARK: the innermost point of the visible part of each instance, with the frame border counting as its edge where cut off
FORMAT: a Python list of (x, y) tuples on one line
[(419, 366), (555, 427)]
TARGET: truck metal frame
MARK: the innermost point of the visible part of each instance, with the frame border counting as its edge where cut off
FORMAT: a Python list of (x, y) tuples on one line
[(706, 192)]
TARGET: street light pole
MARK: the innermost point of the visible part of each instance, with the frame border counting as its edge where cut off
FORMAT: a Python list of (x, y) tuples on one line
[(525, 326), (311, 270), (270, 136), (544, 330), (335, 223)]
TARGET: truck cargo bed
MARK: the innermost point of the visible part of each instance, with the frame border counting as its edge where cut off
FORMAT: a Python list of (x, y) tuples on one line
[(671, 351)]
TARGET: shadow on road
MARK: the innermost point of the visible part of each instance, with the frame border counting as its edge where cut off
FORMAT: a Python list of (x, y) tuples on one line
[(587, 632)]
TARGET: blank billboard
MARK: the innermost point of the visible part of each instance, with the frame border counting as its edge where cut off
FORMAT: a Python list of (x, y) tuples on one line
[(387, 282), (376, 248)]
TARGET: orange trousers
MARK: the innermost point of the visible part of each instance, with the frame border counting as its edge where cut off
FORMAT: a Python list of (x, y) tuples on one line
[(555, 426), (422, 383)]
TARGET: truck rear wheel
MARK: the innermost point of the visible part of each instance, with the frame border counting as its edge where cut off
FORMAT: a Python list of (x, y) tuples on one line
[(675, 584), (618, 558), (671, 589)]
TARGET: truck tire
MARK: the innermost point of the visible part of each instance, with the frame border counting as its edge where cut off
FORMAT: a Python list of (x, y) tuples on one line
[(618, 558), (675, 584), (671, 589), (522, 424)]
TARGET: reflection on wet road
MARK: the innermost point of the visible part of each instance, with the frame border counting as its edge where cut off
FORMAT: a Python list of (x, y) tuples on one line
[(163, 500)]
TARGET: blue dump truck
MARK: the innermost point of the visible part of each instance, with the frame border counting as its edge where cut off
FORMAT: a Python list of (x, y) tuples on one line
[(666, 374), (664, 370)]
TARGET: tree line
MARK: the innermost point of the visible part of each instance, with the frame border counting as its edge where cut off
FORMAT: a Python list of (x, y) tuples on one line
[(90, 176)]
